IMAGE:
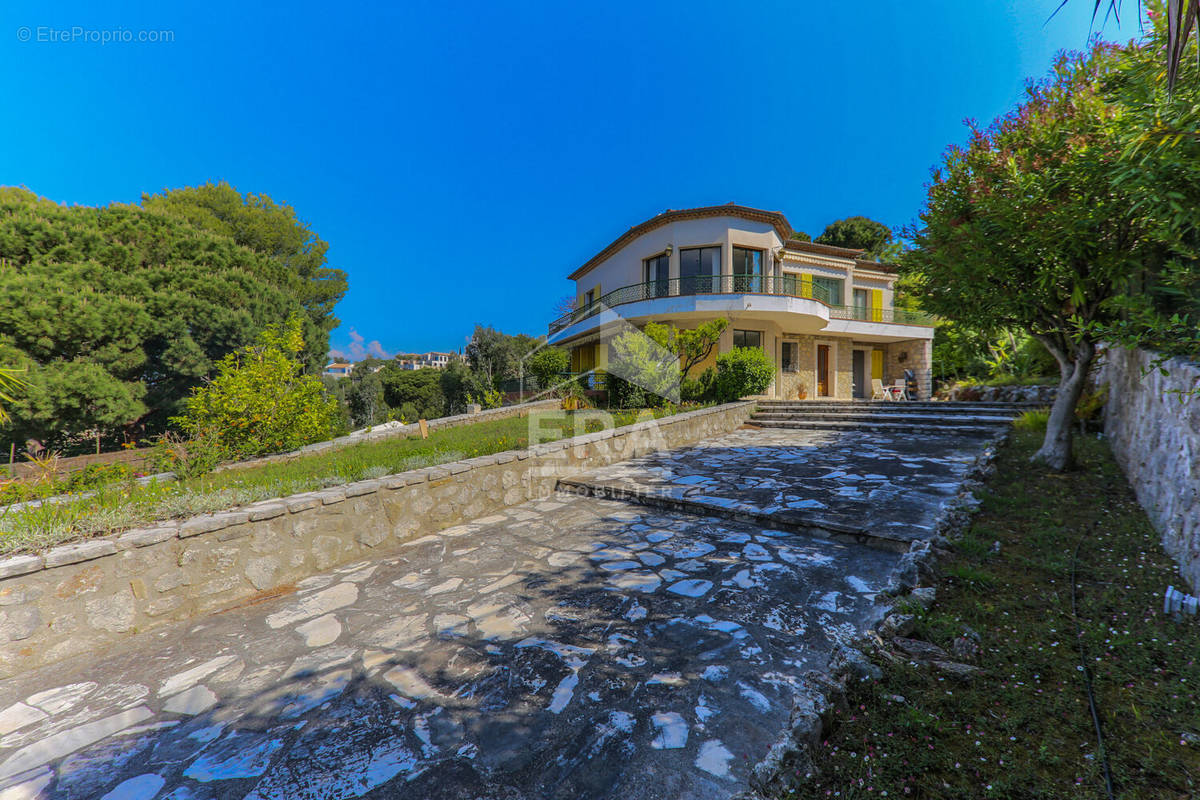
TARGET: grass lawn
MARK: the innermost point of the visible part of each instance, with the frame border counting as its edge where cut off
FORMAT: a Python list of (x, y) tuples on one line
[(119, 506), (1024, 730)]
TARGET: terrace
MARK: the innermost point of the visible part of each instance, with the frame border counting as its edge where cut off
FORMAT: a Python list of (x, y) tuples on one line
[(680, 295)]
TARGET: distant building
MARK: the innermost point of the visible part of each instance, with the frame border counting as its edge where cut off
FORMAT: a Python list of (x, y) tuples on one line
[(338, 369), (431, 360)]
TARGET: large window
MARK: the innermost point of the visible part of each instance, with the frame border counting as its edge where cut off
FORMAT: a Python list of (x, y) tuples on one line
[(657, 275), (699, 268), (789, 356), (828, 290), (747, 338), (747, 270)]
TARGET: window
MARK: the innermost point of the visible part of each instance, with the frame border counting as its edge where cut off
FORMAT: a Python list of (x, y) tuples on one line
[(657, 274), (747, 338), (698, 267), (828, 290), (747, 270), (589, 298), (861, 303), (789, 356)]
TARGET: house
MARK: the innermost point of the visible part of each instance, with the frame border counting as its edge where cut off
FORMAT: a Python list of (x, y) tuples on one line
[(437, 359), (431, 360), (338, 369), (824, 316)]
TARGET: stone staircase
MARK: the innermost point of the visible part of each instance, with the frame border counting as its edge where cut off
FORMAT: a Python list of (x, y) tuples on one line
[(924, 417)]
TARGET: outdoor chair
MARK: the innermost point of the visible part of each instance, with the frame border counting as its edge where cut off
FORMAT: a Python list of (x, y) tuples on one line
[(878, 391), (899, 390)]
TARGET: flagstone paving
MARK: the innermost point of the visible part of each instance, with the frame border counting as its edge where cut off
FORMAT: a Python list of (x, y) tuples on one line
[(574, 647), (886, 489)]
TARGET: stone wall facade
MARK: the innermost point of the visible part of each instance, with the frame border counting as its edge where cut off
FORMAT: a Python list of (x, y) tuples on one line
[(85, 596), (1152, 422)]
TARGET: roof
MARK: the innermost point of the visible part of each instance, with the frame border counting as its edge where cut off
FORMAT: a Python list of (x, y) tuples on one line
[(796, 245), (774, 218), (878, 266)]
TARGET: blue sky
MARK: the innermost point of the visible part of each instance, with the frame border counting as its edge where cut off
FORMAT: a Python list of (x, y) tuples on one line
[(462, 158)]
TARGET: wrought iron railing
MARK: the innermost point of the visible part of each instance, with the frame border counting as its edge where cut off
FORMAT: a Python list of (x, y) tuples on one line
[(779, 285)]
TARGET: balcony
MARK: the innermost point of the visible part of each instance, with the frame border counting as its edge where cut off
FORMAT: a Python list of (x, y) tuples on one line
[(769, 285)]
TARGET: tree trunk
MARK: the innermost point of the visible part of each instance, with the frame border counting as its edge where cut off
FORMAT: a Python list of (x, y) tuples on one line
[(1074, 365)]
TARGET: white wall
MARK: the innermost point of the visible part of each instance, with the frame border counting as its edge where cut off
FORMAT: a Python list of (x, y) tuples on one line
[(625, 267)]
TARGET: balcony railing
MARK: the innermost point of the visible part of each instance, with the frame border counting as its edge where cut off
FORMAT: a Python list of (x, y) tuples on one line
[(776, 285)]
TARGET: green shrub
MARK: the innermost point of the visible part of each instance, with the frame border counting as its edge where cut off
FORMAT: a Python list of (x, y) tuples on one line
[(743, 371), (1034, 420), (700, 390), (623, 394), (260, 401), (547, 365)]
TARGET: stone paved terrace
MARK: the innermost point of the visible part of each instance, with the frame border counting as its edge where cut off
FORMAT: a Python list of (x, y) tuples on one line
[(574, 647), (883, 488)]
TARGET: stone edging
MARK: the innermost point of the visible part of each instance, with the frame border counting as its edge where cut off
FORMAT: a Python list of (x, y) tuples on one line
[(78, 597)]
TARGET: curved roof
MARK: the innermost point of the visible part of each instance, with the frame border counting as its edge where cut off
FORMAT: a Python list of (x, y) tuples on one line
[(774, 218)]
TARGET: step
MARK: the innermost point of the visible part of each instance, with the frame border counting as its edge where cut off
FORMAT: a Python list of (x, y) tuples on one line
[(1011, 409), (791, 521), (954, 420), (880, 427)]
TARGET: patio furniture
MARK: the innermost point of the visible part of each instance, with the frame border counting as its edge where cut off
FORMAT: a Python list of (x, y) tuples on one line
[(899, 390), (878, 391)]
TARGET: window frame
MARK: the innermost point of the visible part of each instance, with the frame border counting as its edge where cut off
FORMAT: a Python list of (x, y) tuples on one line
[(759, 334), (659, 285), (786, 365), (826, 280), (688, 284)]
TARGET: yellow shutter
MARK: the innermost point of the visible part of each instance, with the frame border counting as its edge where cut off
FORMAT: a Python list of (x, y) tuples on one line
[(877, 364), (806, 285), (601, 356), (877, 305)]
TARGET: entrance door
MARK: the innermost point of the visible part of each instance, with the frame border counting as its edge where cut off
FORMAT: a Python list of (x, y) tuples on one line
[(823, 370), (860, 374)]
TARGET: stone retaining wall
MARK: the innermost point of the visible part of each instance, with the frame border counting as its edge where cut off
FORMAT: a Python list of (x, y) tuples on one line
[(82, 597), (1001, 394), (1152, 422)]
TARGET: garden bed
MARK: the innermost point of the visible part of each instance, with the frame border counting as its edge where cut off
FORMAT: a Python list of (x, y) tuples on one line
[(126, 504), (1022, 728)]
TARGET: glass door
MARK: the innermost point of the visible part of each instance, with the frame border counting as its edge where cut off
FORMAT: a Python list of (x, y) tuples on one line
[(658, 275), (862, 301), (699, 268), (747, 270)]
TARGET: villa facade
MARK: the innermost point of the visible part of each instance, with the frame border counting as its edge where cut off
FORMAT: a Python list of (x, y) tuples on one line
[(823, 315)]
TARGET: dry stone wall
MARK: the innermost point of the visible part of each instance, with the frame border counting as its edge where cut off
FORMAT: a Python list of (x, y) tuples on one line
[(83, 597), (1152, 422)]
